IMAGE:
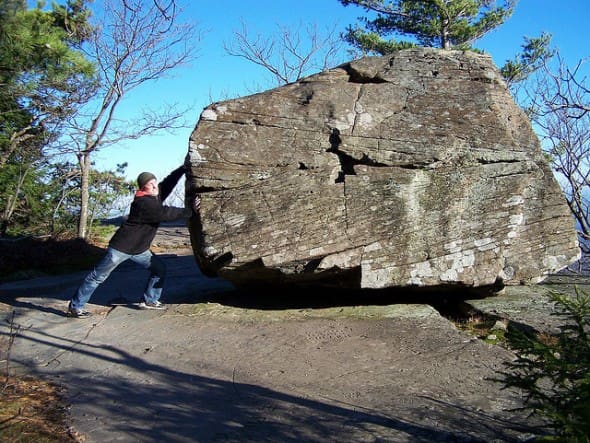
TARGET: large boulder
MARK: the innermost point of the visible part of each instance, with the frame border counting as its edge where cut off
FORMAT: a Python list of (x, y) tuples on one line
[(413, 169)]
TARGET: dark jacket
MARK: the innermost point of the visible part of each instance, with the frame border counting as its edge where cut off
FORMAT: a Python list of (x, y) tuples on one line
[(136, 234)]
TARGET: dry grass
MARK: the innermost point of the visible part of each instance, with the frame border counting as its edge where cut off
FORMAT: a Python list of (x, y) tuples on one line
[(33, 411)]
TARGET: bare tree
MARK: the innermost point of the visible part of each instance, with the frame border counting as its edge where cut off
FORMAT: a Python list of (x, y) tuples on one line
[(289, 54), (558, 102), (561, 89), (135, 43), (166, 7)]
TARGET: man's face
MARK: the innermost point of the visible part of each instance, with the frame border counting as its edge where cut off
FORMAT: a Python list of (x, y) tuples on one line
[(151, 187)]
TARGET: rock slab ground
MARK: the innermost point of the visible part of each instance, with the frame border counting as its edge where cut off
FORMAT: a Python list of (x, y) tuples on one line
[(225, 366)]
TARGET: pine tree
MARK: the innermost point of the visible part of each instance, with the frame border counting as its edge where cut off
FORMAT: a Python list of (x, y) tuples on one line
[(446, 24), (44, 77)]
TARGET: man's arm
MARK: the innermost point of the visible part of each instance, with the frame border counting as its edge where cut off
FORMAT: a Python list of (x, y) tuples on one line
[(168, 183), (170, 213)]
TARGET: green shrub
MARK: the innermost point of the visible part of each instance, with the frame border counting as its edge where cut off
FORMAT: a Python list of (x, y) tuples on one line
[(553, 370)]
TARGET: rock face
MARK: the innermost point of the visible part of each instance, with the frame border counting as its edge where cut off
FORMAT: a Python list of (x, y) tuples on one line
[(415, 169)]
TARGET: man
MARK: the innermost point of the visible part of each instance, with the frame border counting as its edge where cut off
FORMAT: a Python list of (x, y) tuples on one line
[(132, 242)]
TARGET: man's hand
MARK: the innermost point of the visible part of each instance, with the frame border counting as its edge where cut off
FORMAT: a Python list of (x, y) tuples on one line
[(197, 204)]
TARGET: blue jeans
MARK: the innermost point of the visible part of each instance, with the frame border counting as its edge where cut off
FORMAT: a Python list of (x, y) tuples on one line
[(112, 259)]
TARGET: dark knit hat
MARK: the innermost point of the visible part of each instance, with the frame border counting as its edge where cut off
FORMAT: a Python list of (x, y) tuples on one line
[(143, 178)]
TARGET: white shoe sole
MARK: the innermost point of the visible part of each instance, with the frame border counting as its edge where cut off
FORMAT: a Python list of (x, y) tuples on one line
[(142, 305)]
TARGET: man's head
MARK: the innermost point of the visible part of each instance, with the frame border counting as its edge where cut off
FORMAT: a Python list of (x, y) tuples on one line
[(146, 181)]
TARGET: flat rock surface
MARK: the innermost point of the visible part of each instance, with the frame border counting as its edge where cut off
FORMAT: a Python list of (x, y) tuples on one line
[(227, 366)]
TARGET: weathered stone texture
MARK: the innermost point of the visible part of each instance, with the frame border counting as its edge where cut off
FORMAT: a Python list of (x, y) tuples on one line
[(416, 169)]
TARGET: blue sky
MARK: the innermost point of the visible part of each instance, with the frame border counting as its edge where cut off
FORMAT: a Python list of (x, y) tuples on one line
[(217, 76)]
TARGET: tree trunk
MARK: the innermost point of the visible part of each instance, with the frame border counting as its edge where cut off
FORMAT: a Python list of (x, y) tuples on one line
[(11, 204), (84, 162)]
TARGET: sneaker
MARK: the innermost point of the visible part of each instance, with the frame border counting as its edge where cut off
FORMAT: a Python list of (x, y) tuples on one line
[(154, 305), (77, 313)]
